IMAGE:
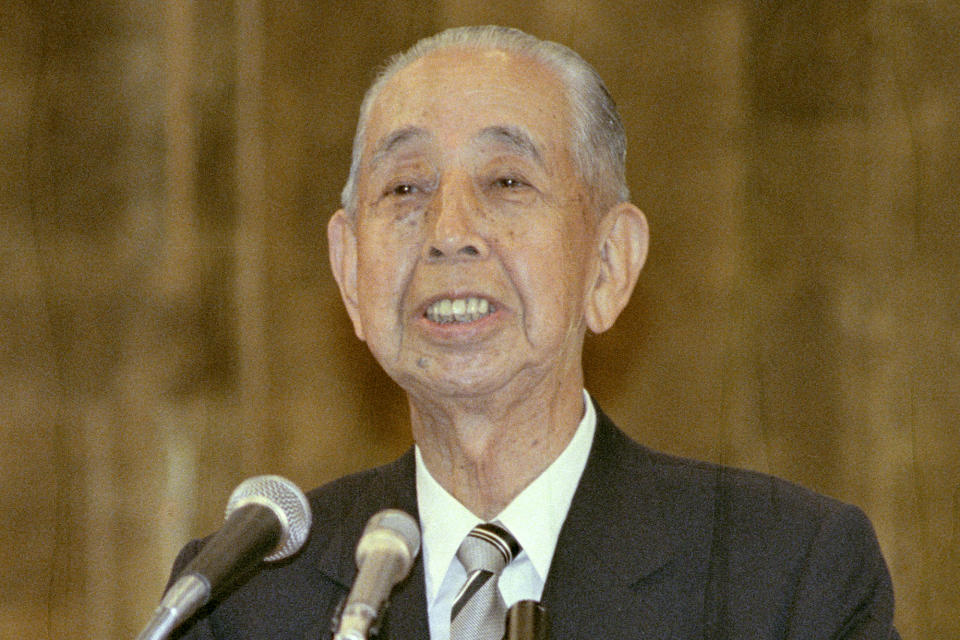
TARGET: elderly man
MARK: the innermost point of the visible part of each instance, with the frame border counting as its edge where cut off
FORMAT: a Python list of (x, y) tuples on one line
[(485, 228)]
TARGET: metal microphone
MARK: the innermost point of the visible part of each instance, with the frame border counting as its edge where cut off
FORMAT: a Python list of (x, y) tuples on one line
[(527, 620), (385, 553), (267, 518)]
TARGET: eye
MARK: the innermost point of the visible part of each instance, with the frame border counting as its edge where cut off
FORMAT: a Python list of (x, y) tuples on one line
[(403, 189), (509, 182)]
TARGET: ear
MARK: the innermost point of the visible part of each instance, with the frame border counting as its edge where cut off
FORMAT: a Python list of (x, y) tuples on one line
[(342, 241), (624, 239)]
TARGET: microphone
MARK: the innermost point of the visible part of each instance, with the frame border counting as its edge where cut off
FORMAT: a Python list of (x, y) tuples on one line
[(385, 553), (527, 620), (267, 518)]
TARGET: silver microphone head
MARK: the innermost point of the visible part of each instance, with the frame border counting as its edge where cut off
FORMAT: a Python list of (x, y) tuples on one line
[(283, 498), (391, 528), (386, 551)]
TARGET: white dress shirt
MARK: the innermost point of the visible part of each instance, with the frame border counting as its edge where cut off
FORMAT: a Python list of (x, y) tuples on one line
[(534, 518)]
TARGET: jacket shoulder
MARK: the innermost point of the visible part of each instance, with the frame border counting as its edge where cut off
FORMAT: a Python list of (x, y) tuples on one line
[(809, 562)]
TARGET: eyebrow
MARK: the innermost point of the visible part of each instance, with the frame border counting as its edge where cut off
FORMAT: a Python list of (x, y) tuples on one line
[(391, 141), (514, 138), (510, 136)]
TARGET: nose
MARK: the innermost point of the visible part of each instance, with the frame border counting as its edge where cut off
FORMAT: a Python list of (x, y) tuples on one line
[(453, 232)]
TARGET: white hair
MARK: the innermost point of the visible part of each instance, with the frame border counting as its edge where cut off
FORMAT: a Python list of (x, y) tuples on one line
[(598, 141)]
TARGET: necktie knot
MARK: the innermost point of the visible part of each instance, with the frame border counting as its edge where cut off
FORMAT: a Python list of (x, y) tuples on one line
[(478, 610), (488, 546)]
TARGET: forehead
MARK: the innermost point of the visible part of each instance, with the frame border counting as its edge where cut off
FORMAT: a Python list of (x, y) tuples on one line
[(454, 96)]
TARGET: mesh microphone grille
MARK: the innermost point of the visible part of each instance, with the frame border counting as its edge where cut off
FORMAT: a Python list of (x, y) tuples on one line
[(286, 500), (400, 523)]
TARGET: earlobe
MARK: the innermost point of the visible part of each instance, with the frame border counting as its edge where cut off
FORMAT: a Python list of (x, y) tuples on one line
[(342, 241), (624, 238)]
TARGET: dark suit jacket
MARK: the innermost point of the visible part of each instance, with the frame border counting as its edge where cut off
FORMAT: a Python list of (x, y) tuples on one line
[(653, 547)]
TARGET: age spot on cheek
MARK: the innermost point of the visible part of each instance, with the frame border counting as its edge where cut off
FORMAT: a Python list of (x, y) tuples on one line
[(423, 363)]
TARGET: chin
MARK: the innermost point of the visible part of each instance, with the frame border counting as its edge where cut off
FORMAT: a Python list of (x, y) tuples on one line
[(450, 382)]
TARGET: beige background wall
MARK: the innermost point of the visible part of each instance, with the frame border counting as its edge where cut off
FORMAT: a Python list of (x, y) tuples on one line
[(168, 324)]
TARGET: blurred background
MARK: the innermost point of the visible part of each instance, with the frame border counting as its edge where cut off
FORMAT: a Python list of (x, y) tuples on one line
[(169, 325)]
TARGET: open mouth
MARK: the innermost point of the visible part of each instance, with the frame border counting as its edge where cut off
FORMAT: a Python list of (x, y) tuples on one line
[(461, 310)]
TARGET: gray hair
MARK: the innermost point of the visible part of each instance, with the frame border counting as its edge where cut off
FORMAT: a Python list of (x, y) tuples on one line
[(599, 145)]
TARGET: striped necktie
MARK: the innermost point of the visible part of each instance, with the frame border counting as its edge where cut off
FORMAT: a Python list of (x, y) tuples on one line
[(478, 611)]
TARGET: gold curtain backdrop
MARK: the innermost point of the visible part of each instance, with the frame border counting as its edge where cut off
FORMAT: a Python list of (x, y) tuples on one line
[(169, 325)]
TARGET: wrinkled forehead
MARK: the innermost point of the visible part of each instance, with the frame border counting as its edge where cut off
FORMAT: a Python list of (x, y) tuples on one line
[(455, 97)]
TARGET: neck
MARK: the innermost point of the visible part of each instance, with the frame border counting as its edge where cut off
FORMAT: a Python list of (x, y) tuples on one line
[(485, 451)]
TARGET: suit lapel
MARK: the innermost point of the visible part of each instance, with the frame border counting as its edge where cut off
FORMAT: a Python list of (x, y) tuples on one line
[(628, 550), (394, 486)]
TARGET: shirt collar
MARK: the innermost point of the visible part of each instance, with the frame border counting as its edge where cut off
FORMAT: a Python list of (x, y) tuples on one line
[(534, 517)]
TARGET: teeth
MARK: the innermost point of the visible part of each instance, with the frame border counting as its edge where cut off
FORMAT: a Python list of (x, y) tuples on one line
[(458, 310)]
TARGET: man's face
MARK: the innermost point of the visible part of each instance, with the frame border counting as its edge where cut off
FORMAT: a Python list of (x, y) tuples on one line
[(473, 247)]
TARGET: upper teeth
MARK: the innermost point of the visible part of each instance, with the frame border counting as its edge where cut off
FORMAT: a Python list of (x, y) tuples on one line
[(458, 310)]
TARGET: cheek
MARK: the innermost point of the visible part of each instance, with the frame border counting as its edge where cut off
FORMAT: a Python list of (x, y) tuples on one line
[(384, 269), (548, 275), (375, 275), (379, 254), (579, 255), (563, 277), (562, 261)]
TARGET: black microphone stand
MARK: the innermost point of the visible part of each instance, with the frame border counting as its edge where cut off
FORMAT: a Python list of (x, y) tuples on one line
[(527, 620)]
